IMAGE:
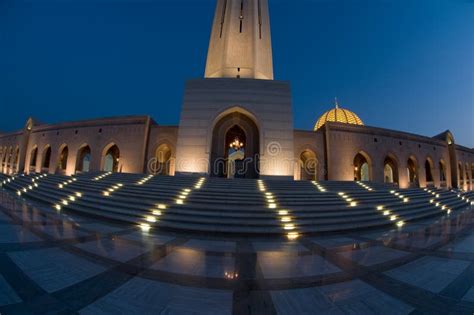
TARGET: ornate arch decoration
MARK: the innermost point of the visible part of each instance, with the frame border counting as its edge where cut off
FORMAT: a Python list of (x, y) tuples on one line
[(233, 109)]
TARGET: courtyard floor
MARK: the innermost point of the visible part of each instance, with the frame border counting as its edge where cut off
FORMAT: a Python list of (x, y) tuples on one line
[(53, 262)]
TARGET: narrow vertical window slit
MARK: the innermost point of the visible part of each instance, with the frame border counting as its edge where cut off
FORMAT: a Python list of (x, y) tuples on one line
[(223, 18), (259, 19), (241, 14)]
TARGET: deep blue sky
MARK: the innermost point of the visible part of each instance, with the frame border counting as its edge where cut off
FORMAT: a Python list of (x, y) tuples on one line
[(404, 65)]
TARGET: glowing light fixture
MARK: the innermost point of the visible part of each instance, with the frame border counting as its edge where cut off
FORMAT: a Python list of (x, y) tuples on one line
[(145, 227), (292, 235), (151, 219)]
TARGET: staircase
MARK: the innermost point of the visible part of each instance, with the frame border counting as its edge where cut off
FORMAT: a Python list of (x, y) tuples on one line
[(238, 206)]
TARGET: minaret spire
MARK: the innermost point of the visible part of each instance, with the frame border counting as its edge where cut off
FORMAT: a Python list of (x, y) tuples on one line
[(240, 44)]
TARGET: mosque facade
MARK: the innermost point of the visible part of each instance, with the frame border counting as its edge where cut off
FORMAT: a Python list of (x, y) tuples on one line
[(237, 122)]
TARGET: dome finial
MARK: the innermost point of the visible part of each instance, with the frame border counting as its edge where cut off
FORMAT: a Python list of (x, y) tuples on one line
[(336, 102)]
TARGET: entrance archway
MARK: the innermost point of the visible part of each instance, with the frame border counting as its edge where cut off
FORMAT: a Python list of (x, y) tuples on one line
[(33, 158), (111, 159), (390, 170), (442, 173), (468, 174), (163, 160), (412, 172), (46, 159), (16, 165), (461, 176), (62, 160), (472, 176), (362, 170), (240, 129), (429, 171), (83, 159), (4, 159), (308, 165)]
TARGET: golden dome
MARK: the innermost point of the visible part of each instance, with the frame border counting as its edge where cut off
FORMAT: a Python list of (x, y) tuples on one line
[(340, 115)]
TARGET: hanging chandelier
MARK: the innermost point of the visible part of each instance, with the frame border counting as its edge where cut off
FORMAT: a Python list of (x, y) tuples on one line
[(236, 145)]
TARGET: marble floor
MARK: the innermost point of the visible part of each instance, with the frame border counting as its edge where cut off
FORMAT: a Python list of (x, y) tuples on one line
[(62, 263)]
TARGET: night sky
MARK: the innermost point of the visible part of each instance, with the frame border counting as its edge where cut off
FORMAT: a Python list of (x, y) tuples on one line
[(403, 65)]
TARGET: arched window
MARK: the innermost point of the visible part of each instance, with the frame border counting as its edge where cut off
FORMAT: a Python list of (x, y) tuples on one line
[(46, 158), (308, 165), (163, 160), (472, 173), (390, 170), (83, 159), (461, 176), (466, 169), (361, 168), (111, 159), (17, 157), (429, 171), (62, 161), (5, 154), (4, 158), (442, 172), (412, 172), (33, 157)]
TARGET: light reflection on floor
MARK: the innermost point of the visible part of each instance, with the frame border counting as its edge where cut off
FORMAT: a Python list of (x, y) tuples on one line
[(81, 264)]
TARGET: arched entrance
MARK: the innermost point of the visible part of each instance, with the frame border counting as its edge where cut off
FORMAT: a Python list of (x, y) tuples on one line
[(461, 176), (16, 165), (111, 159), (308, 165), (429, 172), (4, 159), (62, 160), (235, 146), (468, 174), (412, 172), (83, 159), (362, 170), (442, 173), (33, 158), (472, 176), (390, 170), (163, 160), (46, 159)]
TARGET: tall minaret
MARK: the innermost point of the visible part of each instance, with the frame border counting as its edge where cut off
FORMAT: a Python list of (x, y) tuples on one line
[(240, 45)]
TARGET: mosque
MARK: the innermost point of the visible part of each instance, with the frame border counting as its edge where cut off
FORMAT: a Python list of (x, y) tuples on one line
[(237, 122)]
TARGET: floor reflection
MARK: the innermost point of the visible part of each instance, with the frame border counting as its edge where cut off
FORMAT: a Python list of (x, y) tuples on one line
[(103, 267)]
